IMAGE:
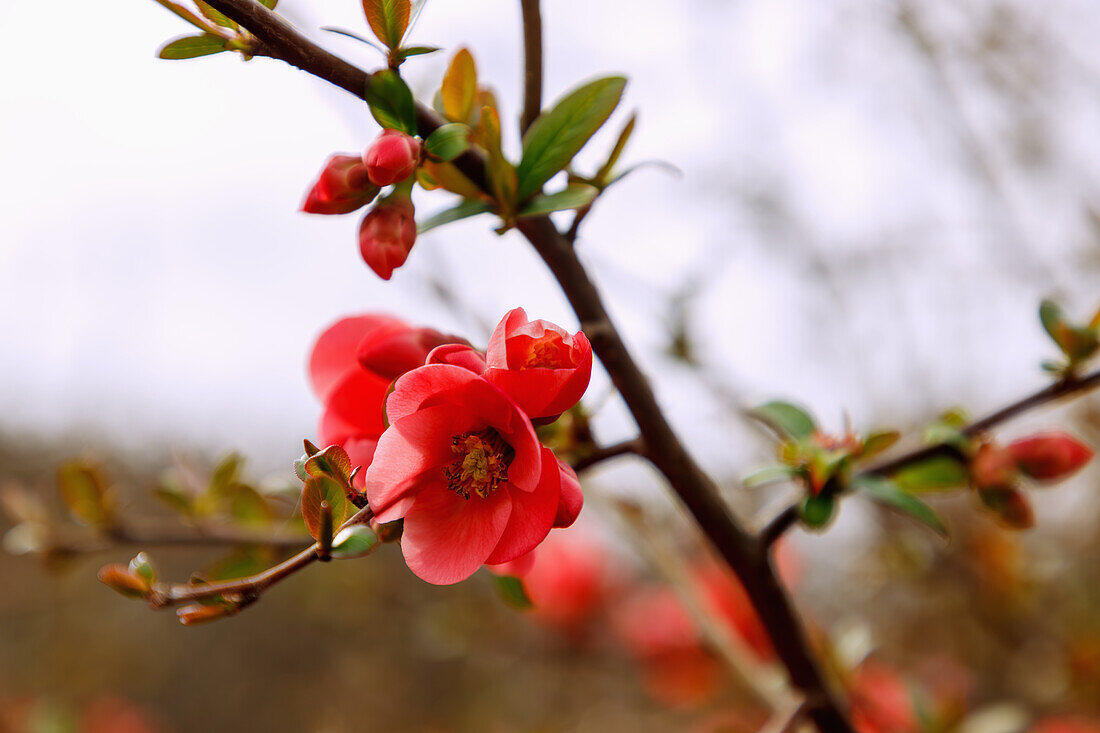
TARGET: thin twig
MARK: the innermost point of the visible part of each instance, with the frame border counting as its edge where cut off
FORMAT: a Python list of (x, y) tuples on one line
[(245, 589), (1068, 387), (532, 63), (603, 453)]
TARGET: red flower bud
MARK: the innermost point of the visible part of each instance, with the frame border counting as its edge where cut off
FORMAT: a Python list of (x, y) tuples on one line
[(1012, 508), (119, 578), (199, 614), (392, 157), (1050, 456), (992, 467), (386, 236), (342, 187)]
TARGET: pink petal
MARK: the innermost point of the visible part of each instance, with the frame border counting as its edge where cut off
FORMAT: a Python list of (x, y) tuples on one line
[(496, 354), (517, 568), (333, 354), (424, 382), (447, 538), (410, 457), (461, 355), (532, 514), (572, 499), (361, 453), (354, 407)]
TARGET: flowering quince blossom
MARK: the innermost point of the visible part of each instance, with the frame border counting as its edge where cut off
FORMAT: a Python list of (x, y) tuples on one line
[(461, 464), (342, 187), (351, 368), (391, 158), (387, 235)]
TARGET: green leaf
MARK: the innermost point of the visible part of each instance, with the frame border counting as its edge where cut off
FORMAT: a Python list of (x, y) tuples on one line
[(215, 15), (1052, 318), (463, 211), (356, 36), (323, 489), (84, 492), (409, 51), (785, 418), (391, 102), (191, 47), (573, 196), (603, 175), (817, 510), (560, 133), (513, 592), (142, 566), (226, 473), (938, 473), (353, 542), (448, 141), (888, 493), (269, 4), (300, 468), (389, 19), (877, 442), (332, 461), (246, 506), (769, 475)]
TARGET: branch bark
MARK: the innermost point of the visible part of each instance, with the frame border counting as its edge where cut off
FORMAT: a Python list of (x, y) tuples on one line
[(532, 63), (745, 556)]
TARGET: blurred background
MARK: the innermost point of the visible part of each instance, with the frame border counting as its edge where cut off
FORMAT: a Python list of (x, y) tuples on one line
[(873, 200)]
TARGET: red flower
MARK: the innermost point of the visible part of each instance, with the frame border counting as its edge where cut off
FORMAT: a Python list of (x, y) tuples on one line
[(1050, 456), (351, 368), (881, 702), (462, 465), (538, 364), (387, 235), (342, 187), (392, 157)]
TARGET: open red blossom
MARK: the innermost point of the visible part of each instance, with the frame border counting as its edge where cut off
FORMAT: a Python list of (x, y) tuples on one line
[(461, 464), (1050, 456), (342, 187), (351, 368), (387, 235), (392, 157), (540, 365)]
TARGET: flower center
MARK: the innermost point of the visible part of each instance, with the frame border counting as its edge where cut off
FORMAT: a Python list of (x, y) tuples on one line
[(549, 352), (483, 460)]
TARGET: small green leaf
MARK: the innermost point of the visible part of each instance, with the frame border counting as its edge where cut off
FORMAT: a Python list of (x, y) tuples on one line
[(1052, 318), (448, 141), (269, 4), (356, 36), (817, 510), (785, 418), (191, 47), (559, 134), (877, 442), (323, 489), (769, 475), (888, 493), (573, 196), (84, 492), (388, 19), (215, 15), (409, 51), (463, 211), (353, 542), (333, 461), (142, 566), (604, 174), (391, 102), (174, 497), (513, 592), (300, 468), (226, 473), (246, 506), (938, 473)]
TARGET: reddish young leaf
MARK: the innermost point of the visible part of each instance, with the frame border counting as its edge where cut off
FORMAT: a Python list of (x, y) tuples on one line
[(389, 19)]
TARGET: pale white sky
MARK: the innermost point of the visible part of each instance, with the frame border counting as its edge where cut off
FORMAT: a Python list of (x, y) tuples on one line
[(875, 230)]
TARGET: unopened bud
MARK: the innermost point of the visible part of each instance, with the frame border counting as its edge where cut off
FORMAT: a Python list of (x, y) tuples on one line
[(1010, 505), (393, 353), (199, 614), (118, 577), (391, 158), (1050, 456), (992, 467), (386, 236), (342, 187)]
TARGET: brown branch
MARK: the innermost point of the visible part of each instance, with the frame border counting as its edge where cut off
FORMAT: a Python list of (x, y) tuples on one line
[(747, 558), (245, 590), (532, 63), (1069, 387), (605, 452)]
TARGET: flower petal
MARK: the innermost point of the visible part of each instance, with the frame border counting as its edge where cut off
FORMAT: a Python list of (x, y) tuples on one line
[(447, 538), (333, 356), (533, 514), (569, 506), (354, 408), (413, 388), (496, 353)]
